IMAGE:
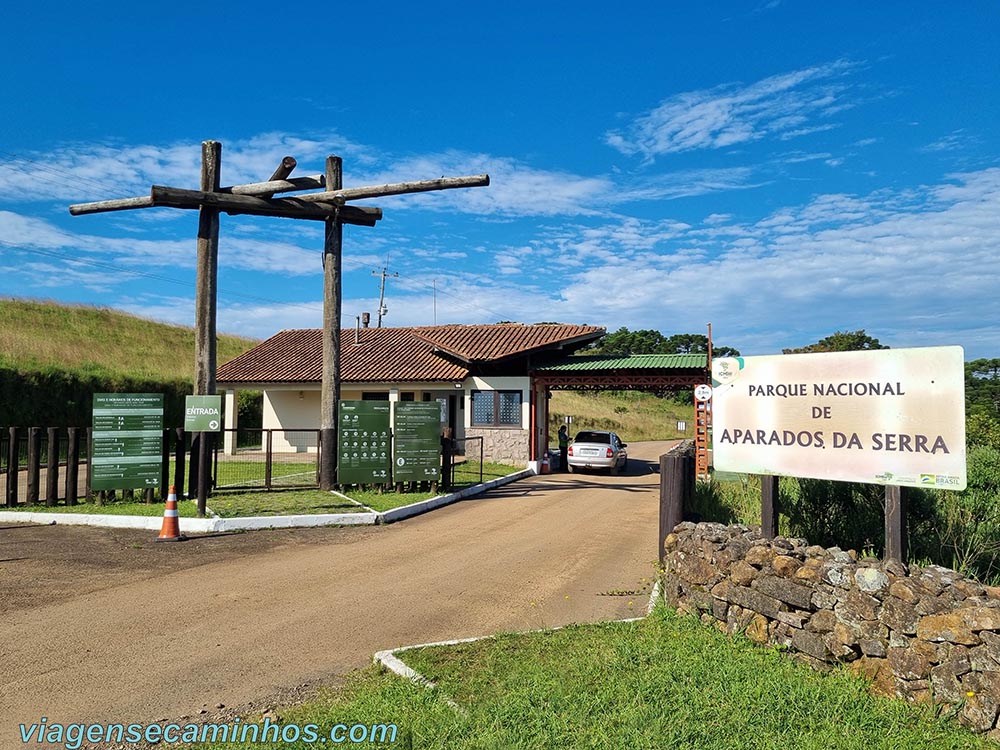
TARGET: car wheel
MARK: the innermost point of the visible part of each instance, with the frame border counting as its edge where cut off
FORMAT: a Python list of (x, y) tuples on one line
[(614, 470)]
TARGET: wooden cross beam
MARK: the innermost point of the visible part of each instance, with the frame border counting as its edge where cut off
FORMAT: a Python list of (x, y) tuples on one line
[(256, 199)]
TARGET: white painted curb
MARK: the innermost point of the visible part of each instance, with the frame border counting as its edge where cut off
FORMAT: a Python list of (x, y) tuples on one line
[(216, 525), (393, 663), (189, 525), (415, 509)]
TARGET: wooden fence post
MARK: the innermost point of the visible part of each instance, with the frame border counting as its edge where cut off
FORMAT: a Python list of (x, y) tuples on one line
[(769, 506), (179, 459), (72, 464), (13, 466), (165, 466), (88, 491), (895, 523), (194, 456), (34, 463), (672, 475), (52, 468)]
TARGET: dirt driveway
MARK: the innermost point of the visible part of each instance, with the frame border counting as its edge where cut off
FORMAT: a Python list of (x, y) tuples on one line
[(105, 625)]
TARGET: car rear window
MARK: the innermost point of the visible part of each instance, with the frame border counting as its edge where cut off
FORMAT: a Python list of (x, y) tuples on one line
[(593, 437)]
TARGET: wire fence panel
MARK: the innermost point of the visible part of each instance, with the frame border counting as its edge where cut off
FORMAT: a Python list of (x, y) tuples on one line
[(266, 459)]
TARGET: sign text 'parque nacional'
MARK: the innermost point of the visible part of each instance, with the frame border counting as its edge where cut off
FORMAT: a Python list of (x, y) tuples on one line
[(887, 416)]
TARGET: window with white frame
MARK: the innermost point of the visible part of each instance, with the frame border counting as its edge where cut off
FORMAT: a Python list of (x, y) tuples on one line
[(496, 408)]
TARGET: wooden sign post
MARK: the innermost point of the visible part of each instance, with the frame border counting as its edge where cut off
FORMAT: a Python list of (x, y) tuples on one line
[(330, 206)]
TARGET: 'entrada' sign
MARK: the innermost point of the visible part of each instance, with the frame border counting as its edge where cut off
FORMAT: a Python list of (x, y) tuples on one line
[(888, 416)]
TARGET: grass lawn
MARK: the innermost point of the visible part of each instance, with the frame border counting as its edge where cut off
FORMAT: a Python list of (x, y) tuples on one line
[(663, 682), (466, 475), (185, 508), (233, 504), (279, 503)]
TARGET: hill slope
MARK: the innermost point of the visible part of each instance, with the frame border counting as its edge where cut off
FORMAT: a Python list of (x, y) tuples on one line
[(40, 335), (54, 357)]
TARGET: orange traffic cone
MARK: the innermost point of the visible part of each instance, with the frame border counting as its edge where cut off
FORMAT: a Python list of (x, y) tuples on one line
[(545, 463), (171, 529)]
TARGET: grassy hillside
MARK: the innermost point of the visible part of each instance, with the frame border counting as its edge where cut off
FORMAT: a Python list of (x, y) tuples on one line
[(634, 416), (53, 358), (39, 336)]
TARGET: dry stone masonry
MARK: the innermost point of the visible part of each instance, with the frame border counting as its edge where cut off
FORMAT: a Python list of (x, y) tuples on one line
[(923, 634)]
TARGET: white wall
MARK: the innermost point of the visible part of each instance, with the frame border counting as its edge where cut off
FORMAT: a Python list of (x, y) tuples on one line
[(290, 410)]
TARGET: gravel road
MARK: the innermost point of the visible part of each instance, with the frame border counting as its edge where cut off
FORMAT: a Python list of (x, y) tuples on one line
[(105, 625)]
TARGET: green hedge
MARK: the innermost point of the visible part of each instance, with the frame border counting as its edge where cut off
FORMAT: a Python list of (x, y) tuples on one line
[(60, 398)]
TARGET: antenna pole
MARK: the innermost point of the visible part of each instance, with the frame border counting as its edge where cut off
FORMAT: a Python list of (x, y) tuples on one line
[(381, 293)]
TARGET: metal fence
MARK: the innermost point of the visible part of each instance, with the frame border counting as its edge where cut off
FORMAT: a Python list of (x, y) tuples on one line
[(262, 459), (463, 462), (36, 464)]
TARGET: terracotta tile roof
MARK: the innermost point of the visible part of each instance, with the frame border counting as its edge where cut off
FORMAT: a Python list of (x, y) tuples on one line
[(482, 343), (395, 354)]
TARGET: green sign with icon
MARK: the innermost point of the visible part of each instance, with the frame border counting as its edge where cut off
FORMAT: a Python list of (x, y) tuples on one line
[(364, 443)]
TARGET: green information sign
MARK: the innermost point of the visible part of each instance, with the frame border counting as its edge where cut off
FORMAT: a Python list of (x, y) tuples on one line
[(202, 413), (128, 440), (417, 429), (364, 444)]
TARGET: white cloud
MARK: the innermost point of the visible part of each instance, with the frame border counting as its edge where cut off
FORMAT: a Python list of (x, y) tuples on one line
[(84, 172), (925, 273), (786, 106)]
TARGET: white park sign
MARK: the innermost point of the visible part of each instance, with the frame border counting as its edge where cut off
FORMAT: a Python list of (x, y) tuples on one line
[(887, 416)]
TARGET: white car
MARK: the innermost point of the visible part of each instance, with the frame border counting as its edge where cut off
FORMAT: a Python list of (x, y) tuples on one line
[(597, 449)]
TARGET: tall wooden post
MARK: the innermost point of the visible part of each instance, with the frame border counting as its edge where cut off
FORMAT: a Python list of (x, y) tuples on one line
[(895, 524), (205, 303), (330, 394), (674, 470), (13, 465), (52, 467), (34, 463), (72, 464)]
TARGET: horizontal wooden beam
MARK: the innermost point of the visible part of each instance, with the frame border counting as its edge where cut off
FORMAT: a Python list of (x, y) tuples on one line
[(120, 204), (289, 185), (257, 189), (397, 188), (292, 208)]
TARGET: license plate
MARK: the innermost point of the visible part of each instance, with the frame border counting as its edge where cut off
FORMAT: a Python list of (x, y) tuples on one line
[(590, 452)]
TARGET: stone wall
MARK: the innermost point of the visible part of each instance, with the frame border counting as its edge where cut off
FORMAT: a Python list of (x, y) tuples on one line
[(923, 634), (500, 445)]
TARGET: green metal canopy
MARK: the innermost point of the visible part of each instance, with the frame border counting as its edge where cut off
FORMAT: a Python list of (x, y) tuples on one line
[(646, 372)]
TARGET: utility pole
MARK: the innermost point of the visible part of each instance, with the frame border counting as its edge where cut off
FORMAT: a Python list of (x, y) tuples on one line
[(332, 295), (382, 309)]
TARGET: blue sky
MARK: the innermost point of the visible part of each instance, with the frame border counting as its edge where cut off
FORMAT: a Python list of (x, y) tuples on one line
[(783, 169)]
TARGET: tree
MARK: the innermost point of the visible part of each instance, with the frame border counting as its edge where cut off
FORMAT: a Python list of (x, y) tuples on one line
[(841, 341), (624, 342), (982, 386)]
